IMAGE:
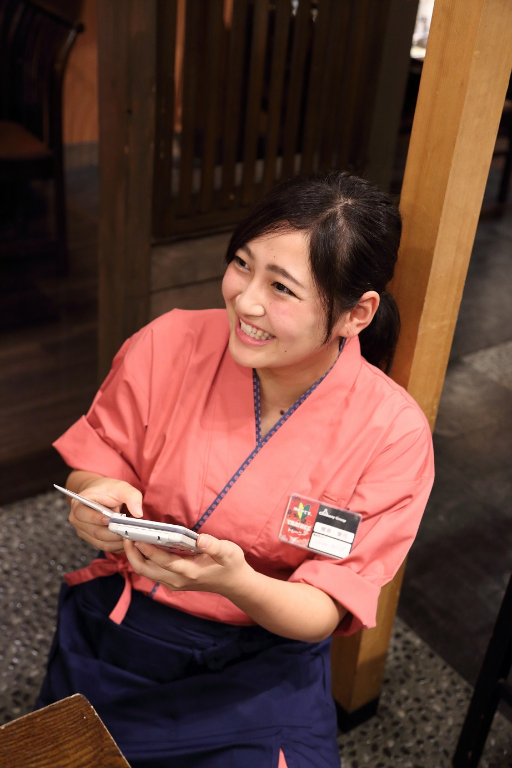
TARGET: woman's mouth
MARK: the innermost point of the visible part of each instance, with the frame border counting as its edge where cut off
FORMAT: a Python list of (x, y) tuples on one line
[(255, 333), (251, 335)]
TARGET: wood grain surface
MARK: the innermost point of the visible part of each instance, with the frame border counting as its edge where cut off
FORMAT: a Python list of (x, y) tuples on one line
[(68, 734)]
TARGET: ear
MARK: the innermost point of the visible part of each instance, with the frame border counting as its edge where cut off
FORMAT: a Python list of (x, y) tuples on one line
[(357, 319)]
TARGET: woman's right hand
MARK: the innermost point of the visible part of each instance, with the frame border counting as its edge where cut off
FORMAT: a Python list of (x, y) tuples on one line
[(92, 526)]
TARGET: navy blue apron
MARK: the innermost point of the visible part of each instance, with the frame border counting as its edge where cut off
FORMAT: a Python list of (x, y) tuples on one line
[(188, 691)]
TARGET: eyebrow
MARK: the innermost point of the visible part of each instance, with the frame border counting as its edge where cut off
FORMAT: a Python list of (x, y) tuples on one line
[(274, 268)]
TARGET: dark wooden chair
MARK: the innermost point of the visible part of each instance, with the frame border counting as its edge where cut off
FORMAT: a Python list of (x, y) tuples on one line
[(36, 37), (68, 734), (491, 687)]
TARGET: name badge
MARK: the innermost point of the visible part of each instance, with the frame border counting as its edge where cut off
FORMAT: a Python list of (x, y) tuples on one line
[(313, 525)]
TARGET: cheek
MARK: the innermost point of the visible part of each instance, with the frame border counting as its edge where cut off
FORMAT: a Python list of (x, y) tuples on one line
[(229, 281)]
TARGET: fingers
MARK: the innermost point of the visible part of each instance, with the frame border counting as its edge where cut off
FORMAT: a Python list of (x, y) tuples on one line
[(212, 570), (158, 565), (223, 552), (92, 526), (82, 514), (114, 545), (113, 494), (132, 498)]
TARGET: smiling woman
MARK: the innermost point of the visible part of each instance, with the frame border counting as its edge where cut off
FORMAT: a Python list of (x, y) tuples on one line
[(273, 433), (277, 325)]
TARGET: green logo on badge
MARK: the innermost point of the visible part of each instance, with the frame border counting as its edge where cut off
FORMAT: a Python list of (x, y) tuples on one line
[(302, 510)]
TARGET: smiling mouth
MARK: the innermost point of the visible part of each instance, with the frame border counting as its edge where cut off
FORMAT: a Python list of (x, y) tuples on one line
[(255, 333)]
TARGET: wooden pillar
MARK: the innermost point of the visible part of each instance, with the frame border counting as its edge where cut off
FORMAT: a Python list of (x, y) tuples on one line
[(465, 77), (127, 72)]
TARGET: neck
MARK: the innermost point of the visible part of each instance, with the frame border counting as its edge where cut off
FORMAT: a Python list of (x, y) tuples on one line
[(280, 388)]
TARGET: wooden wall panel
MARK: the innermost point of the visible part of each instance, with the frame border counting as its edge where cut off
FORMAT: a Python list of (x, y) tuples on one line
[(264, 91), (80, 100), (188, 261)]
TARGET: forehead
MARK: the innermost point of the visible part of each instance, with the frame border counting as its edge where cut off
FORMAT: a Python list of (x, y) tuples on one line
[(287, 247)]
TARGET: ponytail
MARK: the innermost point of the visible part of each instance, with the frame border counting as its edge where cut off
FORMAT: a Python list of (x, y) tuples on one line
[(379, 339)]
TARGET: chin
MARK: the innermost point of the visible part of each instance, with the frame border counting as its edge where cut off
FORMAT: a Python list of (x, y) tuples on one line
[(241, 356), (247, 357)]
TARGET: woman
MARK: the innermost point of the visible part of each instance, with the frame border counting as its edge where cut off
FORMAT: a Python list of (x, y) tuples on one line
[(225, 421)]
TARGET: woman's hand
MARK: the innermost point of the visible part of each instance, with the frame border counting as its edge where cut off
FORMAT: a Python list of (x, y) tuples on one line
[(92, 526), (299, 611), (220, 567)]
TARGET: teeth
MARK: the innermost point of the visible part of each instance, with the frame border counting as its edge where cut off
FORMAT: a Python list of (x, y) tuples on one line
[(255, 333)]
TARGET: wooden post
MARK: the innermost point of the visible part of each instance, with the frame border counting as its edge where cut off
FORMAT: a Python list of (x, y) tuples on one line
[(465, 77), (127, 71)]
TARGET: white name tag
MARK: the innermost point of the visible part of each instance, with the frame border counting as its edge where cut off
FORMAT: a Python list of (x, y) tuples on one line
[(311, 524)]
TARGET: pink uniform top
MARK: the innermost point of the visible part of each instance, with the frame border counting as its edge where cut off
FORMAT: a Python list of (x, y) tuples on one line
[(177, 418)]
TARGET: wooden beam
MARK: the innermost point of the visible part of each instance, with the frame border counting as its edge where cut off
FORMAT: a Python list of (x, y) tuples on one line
[(462, 92), (358, 662), (127, 71)]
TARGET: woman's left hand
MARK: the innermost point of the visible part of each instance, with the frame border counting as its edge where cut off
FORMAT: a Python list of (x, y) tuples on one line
[(220, 567)]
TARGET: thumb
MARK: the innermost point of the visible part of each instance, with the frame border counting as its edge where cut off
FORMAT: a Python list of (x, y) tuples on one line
[(133, 500), (213, 547)]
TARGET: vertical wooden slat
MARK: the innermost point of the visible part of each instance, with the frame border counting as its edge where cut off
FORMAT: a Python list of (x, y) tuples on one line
[(337, 66), (164, 126), (391, 81), (126, 50), (316, 83), (255, 87), (301, 38), (363, 100), (463, 86), (191, 73), (29, 70), (211, 72), (275, 96), (353, 82), (234, 82), (179, 46)]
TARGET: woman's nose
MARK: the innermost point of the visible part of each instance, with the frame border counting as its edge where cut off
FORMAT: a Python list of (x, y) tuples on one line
[(250, 301)]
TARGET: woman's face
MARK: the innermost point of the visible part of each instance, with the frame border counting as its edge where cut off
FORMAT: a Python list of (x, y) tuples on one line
[(275, 313)]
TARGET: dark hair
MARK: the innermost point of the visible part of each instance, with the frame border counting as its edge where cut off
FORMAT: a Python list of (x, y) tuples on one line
[(354, 232)]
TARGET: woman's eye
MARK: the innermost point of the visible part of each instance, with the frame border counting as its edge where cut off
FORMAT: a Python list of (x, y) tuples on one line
[(240, 262), (283, 289)]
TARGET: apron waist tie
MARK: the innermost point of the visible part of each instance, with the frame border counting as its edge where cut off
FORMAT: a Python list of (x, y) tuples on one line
[(107, 566)]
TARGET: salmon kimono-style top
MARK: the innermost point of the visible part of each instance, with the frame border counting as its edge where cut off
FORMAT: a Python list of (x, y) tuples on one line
[(178, 419)]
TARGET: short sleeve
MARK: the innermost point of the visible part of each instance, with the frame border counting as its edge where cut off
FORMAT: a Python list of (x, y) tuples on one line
[(109, 439), (391, 496)]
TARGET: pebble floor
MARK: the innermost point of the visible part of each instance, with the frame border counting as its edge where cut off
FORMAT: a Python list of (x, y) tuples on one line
[(423, 701)]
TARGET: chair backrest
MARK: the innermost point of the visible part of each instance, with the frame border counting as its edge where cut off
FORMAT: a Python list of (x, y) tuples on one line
[(36, 37)]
